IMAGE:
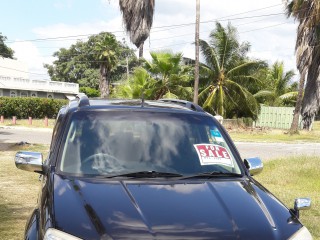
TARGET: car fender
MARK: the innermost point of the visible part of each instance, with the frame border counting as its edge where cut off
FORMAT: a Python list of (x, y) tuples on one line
[(32, 226)]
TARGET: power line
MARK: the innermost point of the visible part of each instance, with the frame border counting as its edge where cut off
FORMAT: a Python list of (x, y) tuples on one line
[(160, 27), (17, 70)]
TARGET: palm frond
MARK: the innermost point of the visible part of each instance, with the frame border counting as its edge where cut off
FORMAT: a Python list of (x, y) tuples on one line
[(137, 18)]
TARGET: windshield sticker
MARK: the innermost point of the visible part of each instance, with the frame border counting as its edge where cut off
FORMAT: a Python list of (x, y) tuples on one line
[(211, 154), (216, 135)]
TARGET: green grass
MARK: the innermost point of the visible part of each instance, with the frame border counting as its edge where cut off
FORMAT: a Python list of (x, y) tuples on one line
[(290, 178), (36, 123), (18, 193), (275, 135)]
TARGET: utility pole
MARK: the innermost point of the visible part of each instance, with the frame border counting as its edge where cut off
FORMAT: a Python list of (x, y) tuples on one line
[(196, 71)]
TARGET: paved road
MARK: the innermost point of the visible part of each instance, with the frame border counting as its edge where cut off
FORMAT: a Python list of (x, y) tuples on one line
[(265, 151), (30, 135)]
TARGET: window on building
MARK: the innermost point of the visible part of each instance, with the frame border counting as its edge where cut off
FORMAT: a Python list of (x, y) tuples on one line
[(34, 94), (50, 95), (13, 93), (24, 94)]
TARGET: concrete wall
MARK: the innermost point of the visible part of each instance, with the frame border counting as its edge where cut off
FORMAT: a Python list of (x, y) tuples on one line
[(6, 93)]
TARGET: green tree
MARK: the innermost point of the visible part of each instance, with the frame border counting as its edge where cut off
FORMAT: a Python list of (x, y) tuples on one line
[(163, 77), (172, 78), (279, 91), (80, 63), (225, 70), (140, 82), (307, 13), (137, 18), (5, 51), (106, 50)]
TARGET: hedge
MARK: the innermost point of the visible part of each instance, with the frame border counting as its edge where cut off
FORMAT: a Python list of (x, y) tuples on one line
[(23, 108)]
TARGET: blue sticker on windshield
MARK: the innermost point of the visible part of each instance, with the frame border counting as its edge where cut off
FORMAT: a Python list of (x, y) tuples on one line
[(216, 135)]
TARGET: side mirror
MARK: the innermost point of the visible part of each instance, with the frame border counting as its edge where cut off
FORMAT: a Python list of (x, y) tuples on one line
[(301, 204), (254, 165), (29, 161)]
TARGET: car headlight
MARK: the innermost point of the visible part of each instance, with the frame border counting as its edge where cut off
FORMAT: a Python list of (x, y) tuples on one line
[(54, 234), (302, 234)]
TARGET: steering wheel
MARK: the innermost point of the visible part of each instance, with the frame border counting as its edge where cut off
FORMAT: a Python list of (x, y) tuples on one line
[(102, 163)]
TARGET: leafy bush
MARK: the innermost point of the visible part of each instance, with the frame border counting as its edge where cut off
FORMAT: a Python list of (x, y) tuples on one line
[(30, 107), (90, 92)]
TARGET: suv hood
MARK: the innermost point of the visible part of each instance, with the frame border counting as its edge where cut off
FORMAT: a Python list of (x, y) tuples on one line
[(164, 209)]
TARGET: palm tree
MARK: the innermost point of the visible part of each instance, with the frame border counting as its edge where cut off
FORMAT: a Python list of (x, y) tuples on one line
[(137, 18), (307, 12), (106, 50), (139, 83), (279, 90), (172, 79), (226, 68)]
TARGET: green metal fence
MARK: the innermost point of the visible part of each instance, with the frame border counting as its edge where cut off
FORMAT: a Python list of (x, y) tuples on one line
[(275, 117)]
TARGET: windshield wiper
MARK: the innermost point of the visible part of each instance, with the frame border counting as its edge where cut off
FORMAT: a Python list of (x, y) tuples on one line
[(147, 174), (212, 175)]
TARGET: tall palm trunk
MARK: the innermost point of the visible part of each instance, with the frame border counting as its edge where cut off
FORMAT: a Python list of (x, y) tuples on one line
[(141, 50), (104, 82), (311, 100), (295, 122)]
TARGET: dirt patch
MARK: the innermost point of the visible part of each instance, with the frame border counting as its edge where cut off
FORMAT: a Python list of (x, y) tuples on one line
[(6, 146)]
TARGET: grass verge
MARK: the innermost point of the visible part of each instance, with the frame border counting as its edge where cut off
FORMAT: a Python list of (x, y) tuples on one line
[(290, 178), (18, 193), (275, 135), (36, 123)]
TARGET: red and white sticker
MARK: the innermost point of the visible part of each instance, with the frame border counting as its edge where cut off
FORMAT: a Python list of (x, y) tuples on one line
[(210, 154)]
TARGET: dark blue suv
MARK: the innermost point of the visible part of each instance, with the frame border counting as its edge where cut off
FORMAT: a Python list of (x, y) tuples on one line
[(135, 169)]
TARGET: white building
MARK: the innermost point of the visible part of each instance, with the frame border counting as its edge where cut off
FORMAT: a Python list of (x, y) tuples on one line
[(14, 82)]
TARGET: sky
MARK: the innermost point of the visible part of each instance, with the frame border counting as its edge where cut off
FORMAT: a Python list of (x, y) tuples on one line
[(35, 29)]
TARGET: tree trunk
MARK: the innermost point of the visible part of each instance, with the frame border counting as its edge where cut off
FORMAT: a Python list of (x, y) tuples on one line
[(295, 122), (141, 50), (104, 82), (311, 99), (196, 70)]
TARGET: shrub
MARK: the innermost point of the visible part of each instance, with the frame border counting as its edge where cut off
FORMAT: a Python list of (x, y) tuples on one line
[(90, 92), (30, 107)]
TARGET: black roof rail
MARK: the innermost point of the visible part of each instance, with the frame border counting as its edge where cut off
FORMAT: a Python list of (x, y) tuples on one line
[(187, 104), (83, 100)]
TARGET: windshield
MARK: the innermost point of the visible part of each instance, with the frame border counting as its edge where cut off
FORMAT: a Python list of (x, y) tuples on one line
[(109, 143)]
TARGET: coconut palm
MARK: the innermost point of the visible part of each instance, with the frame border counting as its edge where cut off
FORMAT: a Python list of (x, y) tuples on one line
[(279, 91), (137, 18), (225, 69), (172, 78), (106, 50), (307, 13)]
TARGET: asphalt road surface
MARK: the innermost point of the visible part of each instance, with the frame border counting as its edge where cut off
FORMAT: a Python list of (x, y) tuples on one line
[(265, 151), (30, 135)]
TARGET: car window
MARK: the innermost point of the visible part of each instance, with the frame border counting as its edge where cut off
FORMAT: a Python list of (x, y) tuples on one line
[(102, 143)]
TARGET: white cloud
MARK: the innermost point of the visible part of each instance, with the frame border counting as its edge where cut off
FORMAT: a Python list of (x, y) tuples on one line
[(27, 52)]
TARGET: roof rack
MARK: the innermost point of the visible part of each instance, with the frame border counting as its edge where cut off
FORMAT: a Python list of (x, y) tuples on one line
[(190, 105), (83, 100)]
